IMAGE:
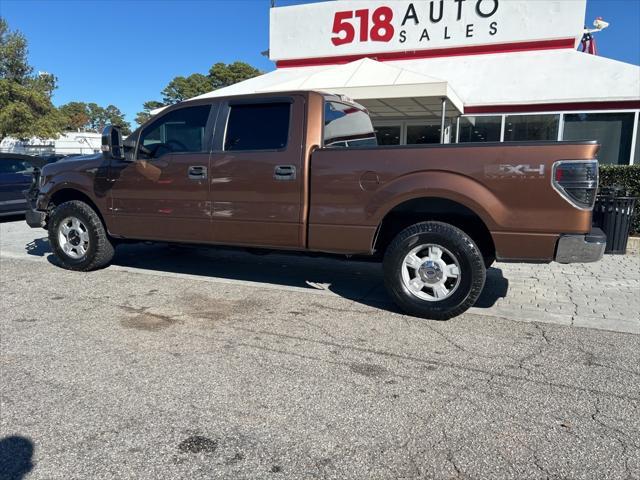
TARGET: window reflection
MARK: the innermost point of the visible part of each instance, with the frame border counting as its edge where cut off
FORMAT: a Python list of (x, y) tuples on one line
[(480, 129), (423, 134), (388, 135), (612, 130), (531, 127)]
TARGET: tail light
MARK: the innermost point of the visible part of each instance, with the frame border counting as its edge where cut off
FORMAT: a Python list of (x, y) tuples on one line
[(577, 181)]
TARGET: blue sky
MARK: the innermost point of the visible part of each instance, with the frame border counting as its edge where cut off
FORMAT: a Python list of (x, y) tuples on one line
[(125, 52)]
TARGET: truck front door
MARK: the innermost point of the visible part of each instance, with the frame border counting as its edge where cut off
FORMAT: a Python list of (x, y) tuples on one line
[(257, 175), (163, 193)]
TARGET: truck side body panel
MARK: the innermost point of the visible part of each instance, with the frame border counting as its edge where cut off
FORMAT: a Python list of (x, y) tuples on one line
[(508, 186)]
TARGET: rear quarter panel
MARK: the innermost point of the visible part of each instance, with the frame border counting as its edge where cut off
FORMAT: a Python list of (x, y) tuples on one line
[(353, 189)]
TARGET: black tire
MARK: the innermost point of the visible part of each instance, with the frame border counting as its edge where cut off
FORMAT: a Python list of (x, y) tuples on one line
[(456, 243), (100, 249), (489, 260)]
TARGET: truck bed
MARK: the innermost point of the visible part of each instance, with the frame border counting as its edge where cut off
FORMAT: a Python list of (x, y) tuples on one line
[(507, 185)]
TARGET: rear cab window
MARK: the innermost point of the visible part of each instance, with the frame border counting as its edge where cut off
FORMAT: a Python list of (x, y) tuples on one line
[(347, 125), (259, 126)]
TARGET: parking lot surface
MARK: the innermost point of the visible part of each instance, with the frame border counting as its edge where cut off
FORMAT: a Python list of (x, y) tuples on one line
[(213, 363)]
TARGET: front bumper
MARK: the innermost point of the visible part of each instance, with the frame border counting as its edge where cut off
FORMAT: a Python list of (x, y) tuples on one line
[(35, 218), (581, 248)]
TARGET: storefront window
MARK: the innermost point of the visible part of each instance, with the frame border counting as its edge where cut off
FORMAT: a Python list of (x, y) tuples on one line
[(421, 134), (480, 129), (388, 135), (531, 127), (612, 130)]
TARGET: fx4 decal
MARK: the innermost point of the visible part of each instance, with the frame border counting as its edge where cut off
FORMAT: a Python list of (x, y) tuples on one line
[(514, 171)]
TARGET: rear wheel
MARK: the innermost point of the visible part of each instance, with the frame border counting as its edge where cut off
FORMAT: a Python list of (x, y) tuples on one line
[(78, 237), (434, 270)]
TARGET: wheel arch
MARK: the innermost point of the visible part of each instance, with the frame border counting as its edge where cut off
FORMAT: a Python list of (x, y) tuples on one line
[(69, 193), (441, 209)]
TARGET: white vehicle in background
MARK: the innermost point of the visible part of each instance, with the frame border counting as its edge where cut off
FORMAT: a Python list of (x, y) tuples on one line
[(68, 143)]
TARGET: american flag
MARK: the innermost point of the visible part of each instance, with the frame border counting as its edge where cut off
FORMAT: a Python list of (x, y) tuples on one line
[(589, 44)]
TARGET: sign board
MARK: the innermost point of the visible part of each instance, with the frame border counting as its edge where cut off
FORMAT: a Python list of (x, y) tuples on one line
[(362, 27)]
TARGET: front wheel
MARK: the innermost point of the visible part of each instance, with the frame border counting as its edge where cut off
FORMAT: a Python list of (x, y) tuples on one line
[(434, 270), (78, 237)]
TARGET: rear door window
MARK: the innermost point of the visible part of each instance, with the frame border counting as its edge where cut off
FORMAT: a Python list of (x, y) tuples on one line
[(347, 126), (263, 126)]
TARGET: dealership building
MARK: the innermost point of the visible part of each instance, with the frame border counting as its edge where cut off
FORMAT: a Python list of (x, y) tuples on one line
[(458, 71)]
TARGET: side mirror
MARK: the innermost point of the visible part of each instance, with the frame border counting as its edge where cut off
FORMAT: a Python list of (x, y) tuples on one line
[(112, 142)]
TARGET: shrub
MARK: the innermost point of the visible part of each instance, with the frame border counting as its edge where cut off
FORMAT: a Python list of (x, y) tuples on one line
[(626, 179)]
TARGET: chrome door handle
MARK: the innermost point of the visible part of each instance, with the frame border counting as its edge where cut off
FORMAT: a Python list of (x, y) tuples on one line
[(197, 172), (284, 172)]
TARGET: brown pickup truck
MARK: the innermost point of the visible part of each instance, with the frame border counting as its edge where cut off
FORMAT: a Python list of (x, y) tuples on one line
[(303, 171)]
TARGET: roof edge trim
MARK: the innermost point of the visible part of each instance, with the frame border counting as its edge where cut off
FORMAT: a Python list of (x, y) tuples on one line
[(563, 43), (553, 107)]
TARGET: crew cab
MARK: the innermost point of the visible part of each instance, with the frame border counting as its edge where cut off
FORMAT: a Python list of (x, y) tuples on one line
[(303, 171)]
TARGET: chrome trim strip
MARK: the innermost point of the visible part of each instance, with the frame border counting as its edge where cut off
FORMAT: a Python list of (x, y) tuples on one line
[(12, 202)]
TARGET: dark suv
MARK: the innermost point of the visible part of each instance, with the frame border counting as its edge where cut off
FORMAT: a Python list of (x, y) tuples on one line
[(16, 177)]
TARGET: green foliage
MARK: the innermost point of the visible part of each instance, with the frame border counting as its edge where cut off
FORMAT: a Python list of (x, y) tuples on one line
[(116, 117), (26, 112), (76, 116), (91, 117), (222, 75), (182, 88), (145, 115), (627, 179), (25, 99), (13, 54)]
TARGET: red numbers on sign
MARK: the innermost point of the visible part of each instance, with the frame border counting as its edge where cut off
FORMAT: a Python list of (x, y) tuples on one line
[(381, 30), (363, 15), (341, 25)]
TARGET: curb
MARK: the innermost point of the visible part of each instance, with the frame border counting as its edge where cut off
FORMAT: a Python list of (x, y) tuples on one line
[(633, 246)]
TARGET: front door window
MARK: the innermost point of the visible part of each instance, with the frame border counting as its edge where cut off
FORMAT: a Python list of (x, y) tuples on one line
[(179, 131)]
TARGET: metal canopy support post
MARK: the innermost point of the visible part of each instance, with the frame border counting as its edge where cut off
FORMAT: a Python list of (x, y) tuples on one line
[(443, 121), (635, 138)]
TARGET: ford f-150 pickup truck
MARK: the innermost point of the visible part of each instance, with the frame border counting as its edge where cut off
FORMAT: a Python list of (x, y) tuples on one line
[(303, 171)]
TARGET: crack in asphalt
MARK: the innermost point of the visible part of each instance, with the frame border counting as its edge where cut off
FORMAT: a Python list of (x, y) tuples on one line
[(618, 437), (409, 358)]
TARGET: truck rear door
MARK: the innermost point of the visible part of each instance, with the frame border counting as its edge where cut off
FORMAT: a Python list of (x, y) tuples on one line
[(256, 172)]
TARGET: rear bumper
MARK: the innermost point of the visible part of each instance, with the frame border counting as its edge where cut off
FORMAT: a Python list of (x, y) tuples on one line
[(581, 248)]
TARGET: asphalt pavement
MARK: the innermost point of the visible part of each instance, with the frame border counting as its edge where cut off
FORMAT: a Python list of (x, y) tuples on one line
[(195, 363)]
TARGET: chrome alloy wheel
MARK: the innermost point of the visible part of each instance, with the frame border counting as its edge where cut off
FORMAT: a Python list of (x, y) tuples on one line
[(431, 272), (73, 238)]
